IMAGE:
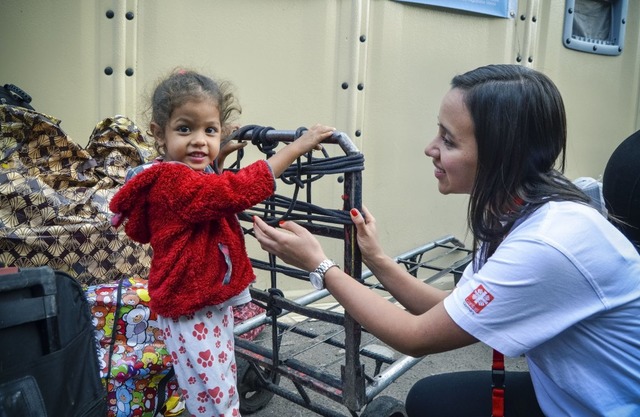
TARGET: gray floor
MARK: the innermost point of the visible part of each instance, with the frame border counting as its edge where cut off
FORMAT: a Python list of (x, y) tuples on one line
[(473, 357)]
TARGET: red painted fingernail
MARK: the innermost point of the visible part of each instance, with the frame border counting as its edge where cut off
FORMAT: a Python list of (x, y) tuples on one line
[(354, 212), (281, 222)]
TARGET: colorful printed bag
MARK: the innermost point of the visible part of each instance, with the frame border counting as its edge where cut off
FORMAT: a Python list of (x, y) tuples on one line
[(135, 365), (132, 355)]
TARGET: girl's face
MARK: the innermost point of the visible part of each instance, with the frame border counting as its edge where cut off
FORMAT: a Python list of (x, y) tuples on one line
[(454, 150), (192, 134)]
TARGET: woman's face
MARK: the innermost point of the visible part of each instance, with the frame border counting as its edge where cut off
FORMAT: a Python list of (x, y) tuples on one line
[(454, 150)]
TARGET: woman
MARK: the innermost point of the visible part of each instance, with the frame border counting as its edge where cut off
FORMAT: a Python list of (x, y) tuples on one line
[(551, 278)]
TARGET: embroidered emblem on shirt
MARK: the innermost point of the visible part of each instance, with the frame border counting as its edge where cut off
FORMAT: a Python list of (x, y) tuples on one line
[(478, 299)]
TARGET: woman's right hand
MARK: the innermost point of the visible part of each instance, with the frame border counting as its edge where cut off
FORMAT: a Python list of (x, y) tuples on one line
[(367, 236), (292, 243)]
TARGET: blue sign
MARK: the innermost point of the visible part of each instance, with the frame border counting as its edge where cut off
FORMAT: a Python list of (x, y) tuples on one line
[(500, 8)]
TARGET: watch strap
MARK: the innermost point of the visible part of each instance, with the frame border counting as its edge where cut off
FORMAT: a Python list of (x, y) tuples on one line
[(324, 267)]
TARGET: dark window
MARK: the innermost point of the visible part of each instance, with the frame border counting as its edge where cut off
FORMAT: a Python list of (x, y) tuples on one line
[(595, 26)]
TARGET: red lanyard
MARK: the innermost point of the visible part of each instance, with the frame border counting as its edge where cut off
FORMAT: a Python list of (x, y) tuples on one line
[(497, 369), (497, 385)]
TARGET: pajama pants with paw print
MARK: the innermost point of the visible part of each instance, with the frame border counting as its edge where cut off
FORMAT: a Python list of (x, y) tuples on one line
[(202, 351)]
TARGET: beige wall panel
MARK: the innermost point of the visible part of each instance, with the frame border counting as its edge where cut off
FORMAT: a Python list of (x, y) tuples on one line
[(414, 51), (289, 60), (50, 49), (600, 92), (280, 54)]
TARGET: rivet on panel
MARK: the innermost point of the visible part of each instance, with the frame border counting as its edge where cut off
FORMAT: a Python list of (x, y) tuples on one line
[(345, 86), (363, 38), (358, 133), (108, 70), (129, 72), (360, 86), (129, 15), (110, 14)]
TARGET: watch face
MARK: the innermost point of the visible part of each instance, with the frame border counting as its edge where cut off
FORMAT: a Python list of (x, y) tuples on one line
[(316, 280)]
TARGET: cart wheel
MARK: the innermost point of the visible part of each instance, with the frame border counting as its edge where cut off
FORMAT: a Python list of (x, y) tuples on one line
[(253, 396), (384, 406)]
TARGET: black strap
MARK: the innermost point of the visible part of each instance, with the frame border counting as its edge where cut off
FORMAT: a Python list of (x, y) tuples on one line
[(112, 343), (162, 385)]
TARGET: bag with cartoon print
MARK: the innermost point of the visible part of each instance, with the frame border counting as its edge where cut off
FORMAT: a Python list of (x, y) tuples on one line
[(135, 366)]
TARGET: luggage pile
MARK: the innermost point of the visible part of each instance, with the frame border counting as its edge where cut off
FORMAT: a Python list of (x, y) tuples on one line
[(54, 198)]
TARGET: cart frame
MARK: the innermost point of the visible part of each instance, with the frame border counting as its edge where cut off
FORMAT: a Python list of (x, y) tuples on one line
[(352, 388)]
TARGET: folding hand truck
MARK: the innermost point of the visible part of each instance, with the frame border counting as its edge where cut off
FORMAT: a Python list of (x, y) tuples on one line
[(355, 370)]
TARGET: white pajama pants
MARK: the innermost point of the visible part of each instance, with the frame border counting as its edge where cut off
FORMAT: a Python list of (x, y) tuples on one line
[(202, 351)]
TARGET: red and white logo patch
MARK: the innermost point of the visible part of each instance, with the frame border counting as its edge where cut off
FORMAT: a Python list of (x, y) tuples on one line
[(478, 299)]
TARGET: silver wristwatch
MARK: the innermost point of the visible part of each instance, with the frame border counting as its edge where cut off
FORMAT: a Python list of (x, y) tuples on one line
[(317, 277)]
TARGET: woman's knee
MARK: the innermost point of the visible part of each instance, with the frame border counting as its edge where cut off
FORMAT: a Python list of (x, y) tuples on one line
[(454, 394)]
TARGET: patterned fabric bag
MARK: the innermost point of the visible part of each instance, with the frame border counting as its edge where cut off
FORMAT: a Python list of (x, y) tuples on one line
[(54, 196)]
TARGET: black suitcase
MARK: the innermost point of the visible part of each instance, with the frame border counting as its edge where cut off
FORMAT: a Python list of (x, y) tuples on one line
[(48, 356)]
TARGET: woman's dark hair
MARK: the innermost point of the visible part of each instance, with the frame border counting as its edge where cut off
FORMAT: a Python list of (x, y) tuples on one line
[(182, 86), (520, 128)]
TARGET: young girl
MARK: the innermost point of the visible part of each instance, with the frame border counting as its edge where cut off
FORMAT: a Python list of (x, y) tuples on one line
[(551, 279), (187, 212)]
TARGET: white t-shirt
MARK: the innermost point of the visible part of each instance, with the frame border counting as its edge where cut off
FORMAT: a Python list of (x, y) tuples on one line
[(564, 289)]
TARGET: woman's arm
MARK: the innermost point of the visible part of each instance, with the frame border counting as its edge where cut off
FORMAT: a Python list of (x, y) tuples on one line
[(429, 332), (413, 294)]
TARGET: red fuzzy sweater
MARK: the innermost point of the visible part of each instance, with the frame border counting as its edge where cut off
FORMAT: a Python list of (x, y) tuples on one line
[(189, 218)]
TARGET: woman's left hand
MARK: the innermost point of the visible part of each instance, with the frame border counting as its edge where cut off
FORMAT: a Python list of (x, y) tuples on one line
[(294, 244)]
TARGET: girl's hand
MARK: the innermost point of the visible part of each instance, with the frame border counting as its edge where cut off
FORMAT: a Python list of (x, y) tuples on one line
[(309, 140), (226, 149), (367, 235), (312, 137), (230, 147), (294, 244), (228, 129)]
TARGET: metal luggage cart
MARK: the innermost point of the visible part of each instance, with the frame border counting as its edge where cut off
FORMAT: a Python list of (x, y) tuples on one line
[(313, 328)]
